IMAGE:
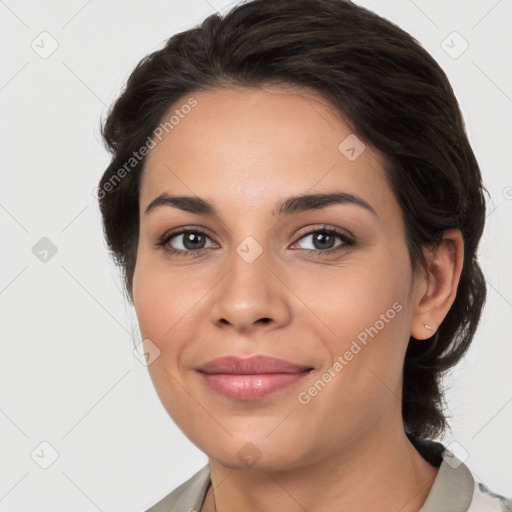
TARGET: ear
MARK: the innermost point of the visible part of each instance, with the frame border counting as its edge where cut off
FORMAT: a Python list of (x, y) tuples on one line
[(435, 292)]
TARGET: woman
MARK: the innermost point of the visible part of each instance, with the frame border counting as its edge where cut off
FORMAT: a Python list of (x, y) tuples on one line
[(296, 209)]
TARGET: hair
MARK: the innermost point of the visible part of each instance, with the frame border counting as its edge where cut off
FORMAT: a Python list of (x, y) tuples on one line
[(396, 99)]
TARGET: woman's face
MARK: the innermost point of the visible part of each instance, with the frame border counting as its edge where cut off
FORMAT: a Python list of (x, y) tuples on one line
[(262, 277)]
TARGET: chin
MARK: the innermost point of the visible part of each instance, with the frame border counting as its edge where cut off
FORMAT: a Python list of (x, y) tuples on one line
[(258, 454)]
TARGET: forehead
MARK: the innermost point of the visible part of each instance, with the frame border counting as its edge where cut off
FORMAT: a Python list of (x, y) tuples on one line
[(254, 143)]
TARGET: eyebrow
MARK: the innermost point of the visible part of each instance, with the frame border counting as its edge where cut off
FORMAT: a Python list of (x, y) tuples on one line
[(292, 204)]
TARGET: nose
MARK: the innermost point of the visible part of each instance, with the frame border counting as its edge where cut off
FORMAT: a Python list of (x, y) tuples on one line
[(250, 296)]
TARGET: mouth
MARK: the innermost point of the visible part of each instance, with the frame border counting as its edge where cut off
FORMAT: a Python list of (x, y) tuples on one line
[(251, 378), (251, 387)]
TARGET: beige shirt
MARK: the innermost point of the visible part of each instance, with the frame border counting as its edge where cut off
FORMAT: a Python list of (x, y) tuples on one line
[(455, 489)]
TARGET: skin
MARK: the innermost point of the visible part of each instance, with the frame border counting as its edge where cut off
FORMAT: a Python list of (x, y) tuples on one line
[(245, 150)]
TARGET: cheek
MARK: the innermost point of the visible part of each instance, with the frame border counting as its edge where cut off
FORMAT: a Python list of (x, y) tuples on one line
[(367, 314), (352, 297), (148, 302), (162, 309), (167, 303), (361, 379), (162, 298)]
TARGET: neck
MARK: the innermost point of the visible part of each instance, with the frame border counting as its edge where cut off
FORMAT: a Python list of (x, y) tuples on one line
[(385, 474)]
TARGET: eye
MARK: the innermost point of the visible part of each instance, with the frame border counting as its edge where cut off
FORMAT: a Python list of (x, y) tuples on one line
[(323, 240), (189, 242)]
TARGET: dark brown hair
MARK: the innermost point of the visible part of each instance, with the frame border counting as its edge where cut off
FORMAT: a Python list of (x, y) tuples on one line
[(396, 98)]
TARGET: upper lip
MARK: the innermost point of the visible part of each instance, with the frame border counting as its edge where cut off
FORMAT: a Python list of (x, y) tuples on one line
[(251, 365)]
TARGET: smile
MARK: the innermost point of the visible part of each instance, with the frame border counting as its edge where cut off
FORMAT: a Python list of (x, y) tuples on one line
[(251, 387)]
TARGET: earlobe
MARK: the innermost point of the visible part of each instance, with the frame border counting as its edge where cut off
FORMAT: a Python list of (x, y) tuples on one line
[(434, 298)]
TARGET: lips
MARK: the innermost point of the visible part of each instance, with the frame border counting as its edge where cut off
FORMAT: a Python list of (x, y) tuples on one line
[(253, 365), (250, 378)]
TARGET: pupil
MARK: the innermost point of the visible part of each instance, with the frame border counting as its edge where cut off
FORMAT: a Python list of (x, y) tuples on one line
[(321, 238), (190, 239)]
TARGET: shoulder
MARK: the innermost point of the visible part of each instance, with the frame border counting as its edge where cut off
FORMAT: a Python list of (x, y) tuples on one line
[(456, 487), (188, 497), (485, 500)]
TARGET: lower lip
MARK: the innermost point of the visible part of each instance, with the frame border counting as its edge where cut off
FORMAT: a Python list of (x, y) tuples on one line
[(251, 387)]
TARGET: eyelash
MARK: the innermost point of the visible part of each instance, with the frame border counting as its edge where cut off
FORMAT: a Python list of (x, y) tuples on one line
[(346, 239)]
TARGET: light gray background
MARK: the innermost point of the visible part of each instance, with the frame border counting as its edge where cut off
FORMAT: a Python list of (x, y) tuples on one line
[(68, 375)]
